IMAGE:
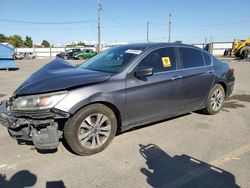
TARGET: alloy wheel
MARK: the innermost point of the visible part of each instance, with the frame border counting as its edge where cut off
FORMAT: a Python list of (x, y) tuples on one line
[(217, 99), (94, 131)]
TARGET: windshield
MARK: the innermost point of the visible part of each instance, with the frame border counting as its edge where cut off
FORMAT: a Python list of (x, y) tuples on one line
[(113, 60)]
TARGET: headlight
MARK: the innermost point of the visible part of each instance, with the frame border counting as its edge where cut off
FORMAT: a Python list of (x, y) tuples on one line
[(38, 102)]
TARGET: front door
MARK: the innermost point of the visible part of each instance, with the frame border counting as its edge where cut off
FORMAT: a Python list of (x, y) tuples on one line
[(157, 96)]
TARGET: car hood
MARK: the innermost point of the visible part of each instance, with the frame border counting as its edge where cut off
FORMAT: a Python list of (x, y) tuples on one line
[(59, 75)]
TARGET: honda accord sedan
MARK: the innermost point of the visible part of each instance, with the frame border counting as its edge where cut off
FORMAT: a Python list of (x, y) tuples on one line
[(121, 88)]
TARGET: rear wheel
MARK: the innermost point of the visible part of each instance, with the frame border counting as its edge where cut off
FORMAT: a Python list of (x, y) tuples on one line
[(244, 52), (215, 100), (91, 129)]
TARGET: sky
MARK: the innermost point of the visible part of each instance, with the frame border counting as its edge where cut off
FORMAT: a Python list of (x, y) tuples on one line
[(63, 21)]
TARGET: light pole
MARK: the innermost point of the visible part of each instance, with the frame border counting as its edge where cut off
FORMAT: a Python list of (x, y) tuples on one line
[(169, 28), (99, 28)]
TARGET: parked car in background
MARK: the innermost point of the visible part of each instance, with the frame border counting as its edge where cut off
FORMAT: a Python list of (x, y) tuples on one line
[(123, 87), (68, 54), (30, 55), (85, 54), (19, 55), (25, 55)]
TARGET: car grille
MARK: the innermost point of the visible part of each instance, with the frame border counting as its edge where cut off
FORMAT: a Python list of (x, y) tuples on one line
[(38, 114)]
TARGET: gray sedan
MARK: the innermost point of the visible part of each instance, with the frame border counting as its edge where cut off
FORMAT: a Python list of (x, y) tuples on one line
[(121, 88)]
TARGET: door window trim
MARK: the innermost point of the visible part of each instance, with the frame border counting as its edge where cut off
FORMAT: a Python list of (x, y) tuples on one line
[(181, 62), (178, 66), (211, 59)]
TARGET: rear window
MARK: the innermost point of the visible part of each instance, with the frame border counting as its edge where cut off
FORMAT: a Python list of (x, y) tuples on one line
[(207, 59), (191, 57)]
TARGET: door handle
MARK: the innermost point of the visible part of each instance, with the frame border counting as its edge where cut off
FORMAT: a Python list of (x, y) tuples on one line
[(210, 71), (176, 77)]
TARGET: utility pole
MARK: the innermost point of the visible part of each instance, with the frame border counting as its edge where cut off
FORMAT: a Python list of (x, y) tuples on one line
[(211, 45), (147, 31), (169, 28), (99, 28), (204, 45)]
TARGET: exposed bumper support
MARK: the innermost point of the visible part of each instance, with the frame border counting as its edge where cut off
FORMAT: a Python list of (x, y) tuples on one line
[(43, 132), (47, 138)]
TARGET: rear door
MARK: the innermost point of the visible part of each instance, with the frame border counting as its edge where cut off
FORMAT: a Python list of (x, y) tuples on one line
[(197, 77), (158, 95)]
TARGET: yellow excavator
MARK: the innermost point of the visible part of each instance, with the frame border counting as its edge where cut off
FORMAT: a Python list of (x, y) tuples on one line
[(240, 48)]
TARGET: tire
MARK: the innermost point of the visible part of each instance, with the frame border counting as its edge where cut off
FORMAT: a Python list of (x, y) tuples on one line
[(225, 53), (244, 52), (215, 100), (82, 135), (80, 58)]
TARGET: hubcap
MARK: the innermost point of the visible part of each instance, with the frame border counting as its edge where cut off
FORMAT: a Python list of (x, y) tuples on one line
[(94, 131), (217, 99)]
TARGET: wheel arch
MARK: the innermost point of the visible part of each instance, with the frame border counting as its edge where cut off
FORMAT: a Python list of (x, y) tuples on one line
[(224, 85), (112, 107)]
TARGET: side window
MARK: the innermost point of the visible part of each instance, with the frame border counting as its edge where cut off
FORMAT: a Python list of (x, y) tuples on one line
[(191, 57), (207, 59), (160, 60)]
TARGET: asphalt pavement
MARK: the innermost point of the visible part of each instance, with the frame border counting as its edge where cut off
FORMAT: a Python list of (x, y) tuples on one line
[(192, 150)]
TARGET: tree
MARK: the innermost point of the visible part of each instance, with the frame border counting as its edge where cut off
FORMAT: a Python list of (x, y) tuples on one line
[(28, 41), (45, 43), (80, 44), (178, 42), (16, 41), (3, 38)]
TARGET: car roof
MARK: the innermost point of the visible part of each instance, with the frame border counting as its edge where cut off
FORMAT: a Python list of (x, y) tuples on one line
[(149, 45)]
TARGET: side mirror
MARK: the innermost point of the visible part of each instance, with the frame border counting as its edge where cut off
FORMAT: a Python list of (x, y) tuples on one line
[(143, 71)]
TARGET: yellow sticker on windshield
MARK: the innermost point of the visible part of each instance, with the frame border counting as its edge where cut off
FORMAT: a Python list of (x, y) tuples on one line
[(166, 62)]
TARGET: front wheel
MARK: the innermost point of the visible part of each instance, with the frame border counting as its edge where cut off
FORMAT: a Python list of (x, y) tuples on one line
[(91, 129), (215, 100)]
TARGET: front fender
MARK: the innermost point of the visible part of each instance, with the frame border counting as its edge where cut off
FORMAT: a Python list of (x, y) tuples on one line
[(107, 93)]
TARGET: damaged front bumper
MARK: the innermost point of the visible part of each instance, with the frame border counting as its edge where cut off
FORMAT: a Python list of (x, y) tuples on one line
[(40, 126)]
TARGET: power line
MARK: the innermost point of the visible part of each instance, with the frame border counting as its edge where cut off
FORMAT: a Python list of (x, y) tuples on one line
[(119, 23), (215, 25), (47, 29), (160, 28), (45, 23), (203, 25)]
